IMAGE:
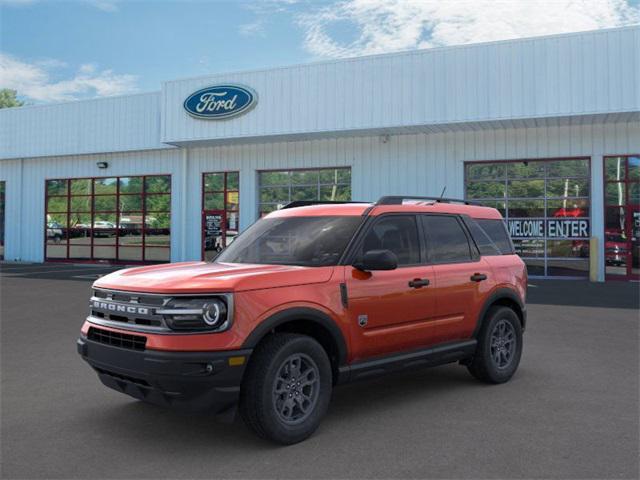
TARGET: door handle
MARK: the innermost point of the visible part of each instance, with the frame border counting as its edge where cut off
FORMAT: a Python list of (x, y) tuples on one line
[(418, 282), (478, 277)]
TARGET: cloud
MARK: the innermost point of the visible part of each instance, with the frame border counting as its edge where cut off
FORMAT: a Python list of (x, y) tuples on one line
[(34, 80), (252, 29), (379, 26)]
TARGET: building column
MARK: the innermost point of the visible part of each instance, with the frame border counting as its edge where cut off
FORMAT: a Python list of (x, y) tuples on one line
[(597, 211), (248, 197)]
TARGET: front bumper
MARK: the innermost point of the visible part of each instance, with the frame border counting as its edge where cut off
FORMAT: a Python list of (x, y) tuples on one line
[(188, 380)]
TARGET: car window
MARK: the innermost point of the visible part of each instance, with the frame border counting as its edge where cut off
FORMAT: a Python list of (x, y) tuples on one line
[(446, 240), (497, 232), (485, 244), (396, 233), (304, 241)]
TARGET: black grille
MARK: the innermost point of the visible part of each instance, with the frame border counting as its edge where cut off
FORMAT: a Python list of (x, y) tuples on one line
[(116, 339)]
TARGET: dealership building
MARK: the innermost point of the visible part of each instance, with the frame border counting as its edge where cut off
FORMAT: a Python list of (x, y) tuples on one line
[(545, 129)]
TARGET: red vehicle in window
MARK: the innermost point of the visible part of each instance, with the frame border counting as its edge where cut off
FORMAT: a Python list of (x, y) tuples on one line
[(309, 297)]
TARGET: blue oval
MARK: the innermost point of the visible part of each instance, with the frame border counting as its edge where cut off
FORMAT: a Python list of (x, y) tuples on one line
[(220, 101)]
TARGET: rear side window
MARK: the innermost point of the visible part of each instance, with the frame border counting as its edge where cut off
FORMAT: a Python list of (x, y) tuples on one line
[(398, 234), (497, 232), (446, 240), (485, 244)]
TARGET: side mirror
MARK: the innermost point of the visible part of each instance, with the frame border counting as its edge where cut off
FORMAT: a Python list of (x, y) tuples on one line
[(377, 260)]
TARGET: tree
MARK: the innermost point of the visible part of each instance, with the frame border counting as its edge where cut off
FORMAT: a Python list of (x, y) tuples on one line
[(8, 98)]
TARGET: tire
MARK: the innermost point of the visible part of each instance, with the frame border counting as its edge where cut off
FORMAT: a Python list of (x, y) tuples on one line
[(275, 409), (497, 364)]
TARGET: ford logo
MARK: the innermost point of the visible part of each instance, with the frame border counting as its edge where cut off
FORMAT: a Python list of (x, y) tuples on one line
[(220, 101)]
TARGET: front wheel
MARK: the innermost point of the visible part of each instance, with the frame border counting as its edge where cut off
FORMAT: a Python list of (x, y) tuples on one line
[(287, 388), (499, 346)]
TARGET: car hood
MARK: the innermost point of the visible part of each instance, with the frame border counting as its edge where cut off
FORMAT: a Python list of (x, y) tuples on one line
[(204, 277)]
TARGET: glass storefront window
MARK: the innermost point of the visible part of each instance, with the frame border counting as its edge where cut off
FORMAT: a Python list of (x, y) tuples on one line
[(277, 188), (546, 205), (220, 211), (109, 219), (622, 217)]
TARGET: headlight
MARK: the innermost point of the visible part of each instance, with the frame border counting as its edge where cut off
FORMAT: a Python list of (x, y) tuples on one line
[(194, 314)]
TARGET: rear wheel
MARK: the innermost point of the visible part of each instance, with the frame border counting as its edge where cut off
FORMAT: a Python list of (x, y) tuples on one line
[(499, 346), (287, 388)]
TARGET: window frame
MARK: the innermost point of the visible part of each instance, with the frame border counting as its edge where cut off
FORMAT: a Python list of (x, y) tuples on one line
[(92, 213)]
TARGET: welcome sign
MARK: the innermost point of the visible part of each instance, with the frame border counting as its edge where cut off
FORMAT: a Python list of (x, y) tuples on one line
[(220, 102), (552, 228)]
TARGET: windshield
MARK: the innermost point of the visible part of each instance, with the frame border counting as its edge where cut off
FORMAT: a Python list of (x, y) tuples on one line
[(304, 241)]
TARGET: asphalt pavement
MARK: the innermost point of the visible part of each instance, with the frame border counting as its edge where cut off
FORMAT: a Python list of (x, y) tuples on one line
[(571, 411)]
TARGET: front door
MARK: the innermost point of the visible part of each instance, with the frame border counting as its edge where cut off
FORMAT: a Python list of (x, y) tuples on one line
[(622, 217), (214, 233), (391, 310)]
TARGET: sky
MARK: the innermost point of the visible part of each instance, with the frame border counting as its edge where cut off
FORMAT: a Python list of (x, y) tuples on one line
[(55, 50)]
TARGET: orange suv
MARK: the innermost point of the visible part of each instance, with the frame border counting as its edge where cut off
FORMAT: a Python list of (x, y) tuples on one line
[(311, 296)]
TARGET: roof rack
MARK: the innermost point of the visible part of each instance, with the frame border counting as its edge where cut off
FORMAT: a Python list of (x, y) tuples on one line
[(399, 199), (307, 203)]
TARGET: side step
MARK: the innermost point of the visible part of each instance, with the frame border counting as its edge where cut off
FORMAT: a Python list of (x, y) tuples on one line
[(428, 357)]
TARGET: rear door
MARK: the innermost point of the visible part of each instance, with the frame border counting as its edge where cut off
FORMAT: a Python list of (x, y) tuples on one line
[(462, 278)]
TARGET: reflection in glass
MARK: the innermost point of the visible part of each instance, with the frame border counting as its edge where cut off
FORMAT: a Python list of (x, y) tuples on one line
[(525, 188), (153, 254), (80, 204), (526, 208), (305, 177), (568, 248), (130, 203), (214, 201), (568, 188), (568, 168), (79, 252), (57, 187), (104, 203), (485, 190), (104, 252), (56, 250), (105, 186), (130, 185), (485, 171), (567, 268), (130, 253), (615, 193), (634, 168), (614, 168), (574, 207), (81, 186), (57, 204), (214, 182), (529, 169), (158, 184), (233, 181), (158, 203), (535, 268)]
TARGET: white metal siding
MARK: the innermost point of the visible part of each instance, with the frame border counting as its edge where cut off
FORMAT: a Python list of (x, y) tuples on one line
[(558, 76), (113, 124)]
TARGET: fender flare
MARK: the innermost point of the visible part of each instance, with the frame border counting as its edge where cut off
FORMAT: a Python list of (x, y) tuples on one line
[(299, 313), (497, 295)]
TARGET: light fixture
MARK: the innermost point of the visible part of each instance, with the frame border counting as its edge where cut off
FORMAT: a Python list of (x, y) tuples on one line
[(384, 138), (102, 164)]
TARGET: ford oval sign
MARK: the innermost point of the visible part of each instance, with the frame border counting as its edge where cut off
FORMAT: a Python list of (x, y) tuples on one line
[(220, 102)]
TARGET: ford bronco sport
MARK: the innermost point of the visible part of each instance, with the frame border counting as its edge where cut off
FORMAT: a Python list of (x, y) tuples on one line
[(310, 297)]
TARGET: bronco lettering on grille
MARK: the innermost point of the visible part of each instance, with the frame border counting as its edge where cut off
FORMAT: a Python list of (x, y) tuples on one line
[(115, 307)]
